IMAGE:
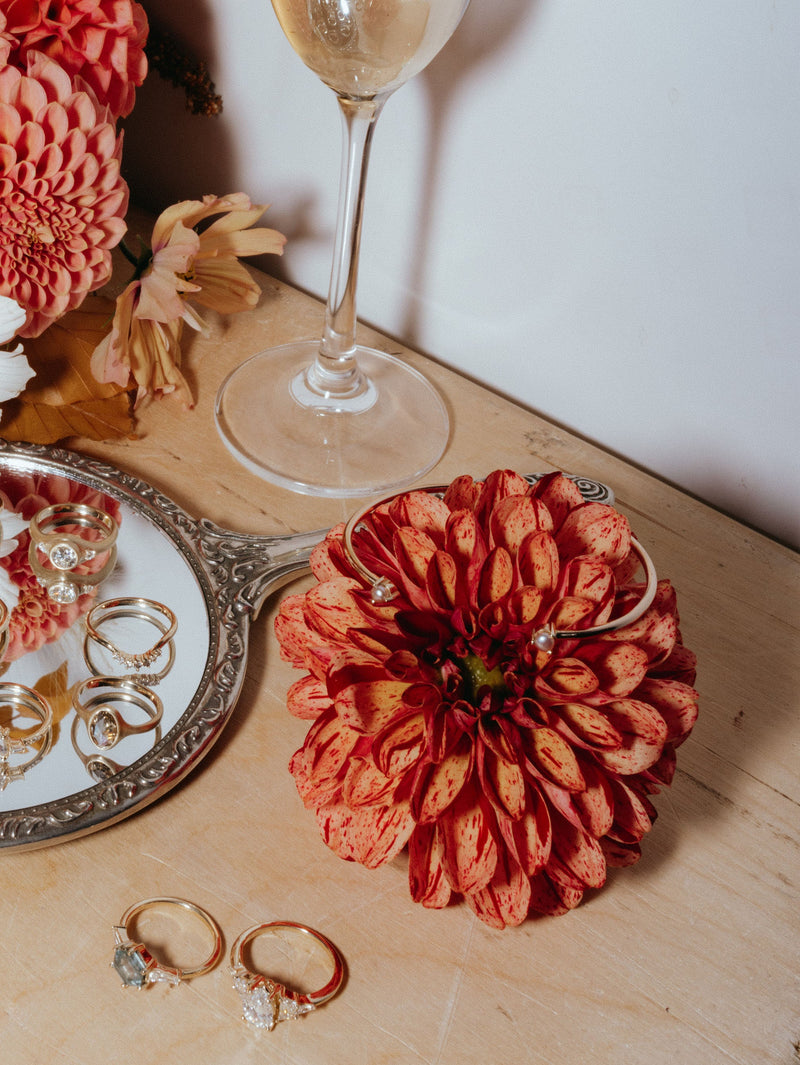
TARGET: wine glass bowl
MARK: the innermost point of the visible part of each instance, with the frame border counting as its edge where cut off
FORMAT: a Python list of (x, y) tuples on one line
[(329, 416)]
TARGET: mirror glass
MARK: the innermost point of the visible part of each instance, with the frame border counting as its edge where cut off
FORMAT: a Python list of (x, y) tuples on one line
[(82, 778)]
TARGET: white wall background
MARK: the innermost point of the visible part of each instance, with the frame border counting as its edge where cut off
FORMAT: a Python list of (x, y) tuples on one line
[(591, 205)]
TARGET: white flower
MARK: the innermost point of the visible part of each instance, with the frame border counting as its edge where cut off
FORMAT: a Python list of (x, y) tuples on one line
[(11, 525), (15, 372), (12, 318)]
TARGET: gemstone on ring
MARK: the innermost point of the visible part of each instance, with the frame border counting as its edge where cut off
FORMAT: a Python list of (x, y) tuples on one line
[(104, 730), (65, 593), (265, 1003), (131, 961), (63, 556), (137, 967)]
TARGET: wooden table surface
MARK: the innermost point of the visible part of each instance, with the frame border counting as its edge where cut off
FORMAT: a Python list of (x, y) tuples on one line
[(690, 957)]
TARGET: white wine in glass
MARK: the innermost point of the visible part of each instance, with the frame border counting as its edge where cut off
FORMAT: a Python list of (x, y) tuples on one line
[(328, 416)]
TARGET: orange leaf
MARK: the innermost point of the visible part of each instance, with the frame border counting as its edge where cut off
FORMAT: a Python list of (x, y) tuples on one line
[(64, 399)]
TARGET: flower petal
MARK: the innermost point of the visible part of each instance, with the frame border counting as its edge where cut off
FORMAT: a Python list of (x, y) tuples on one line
[(371, 835), (468, 846), (595, 529), (643, 731)]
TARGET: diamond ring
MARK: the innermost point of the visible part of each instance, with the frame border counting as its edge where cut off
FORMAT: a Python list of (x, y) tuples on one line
[(104, 723), (65, 587), (265, 1002), (25, 701), (135, 964), (91, 532), (138, 610)]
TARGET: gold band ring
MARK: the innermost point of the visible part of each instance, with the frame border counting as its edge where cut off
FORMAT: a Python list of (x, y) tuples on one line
[(104, 723), (23, 699), (137, 967), (265, 1002), (149, 611), (66, 550)]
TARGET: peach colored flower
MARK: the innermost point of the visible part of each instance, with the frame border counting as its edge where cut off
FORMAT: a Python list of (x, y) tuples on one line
[(36, 619), (99, 41), (513, 777), (62, 199), (144, 343)]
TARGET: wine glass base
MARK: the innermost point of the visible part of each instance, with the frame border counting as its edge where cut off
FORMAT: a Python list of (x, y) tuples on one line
[(273, 426)]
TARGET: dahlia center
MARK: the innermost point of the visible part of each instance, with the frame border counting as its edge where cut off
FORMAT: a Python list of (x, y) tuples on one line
[(477, 678)]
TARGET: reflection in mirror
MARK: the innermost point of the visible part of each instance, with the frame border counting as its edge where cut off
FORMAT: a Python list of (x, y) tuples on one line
[(148, 632)]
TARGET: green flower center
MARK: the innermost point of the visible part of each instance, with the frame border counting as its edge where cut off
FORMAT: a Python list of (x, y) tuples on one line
[(477, 678)]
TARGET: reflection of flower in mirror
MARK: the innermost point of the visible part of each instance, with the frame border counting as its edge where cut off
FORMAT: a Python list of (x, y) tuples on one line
[(36, 619)]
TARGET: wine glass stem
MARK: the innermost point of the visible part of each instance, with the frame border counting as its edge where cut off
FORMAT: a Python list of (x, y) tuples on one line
[(335, 371)]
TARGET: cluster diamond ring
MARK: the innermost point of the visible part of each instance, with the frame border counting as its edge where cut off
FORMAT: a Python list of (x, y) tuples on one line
[(96, 701), (265, 1002), (140, 610), (135, 964), (28, 702)]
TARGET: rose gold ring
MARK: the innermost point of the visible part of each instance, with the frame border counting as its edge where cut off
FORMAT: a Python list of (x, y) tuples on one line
[(134, 963), (265, 1002)]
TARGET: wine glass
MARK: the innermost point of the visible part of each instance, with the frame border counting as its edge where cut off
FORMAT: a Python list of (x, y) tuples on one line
[(331, 417)]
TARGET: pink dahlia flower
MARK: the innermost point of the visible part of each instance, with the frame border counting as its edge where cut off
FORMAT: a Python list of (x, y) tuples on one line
[(36, 620), (513, 776), (62, 199), (100, 41)]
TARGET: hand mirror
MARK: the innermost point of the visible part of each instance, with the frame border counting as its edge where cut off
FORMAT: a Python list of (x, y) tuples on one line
[(213, 580)]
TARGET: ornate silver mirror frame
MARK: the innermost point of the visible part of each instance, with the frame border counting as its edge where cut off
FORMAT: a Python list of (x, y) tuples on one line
[(233, 574)]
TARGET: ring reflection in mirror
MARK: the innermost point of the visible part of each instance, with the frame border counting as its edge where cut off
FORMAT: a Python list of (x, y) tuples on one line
[(139, 650)]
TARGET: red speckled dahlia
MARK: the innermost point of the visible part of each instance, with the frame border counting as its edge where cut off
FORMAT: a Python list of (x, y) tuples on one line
[(100, 41), (514, 776), (62, 199)]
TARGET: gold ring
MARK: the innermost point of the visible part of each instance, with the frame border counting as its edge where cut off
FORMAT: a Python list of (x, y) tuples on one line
[(104, 723), (22, 698), (65, 587), (137, 967), (265, 1002), (544, 637), (66, 550), (5, 621), (99, 767), (149, 611)]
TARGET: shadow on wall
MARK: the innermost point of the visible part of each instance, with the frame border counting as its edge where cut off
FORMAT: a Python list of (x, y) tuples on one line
[(161, 131), (486, 29)]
